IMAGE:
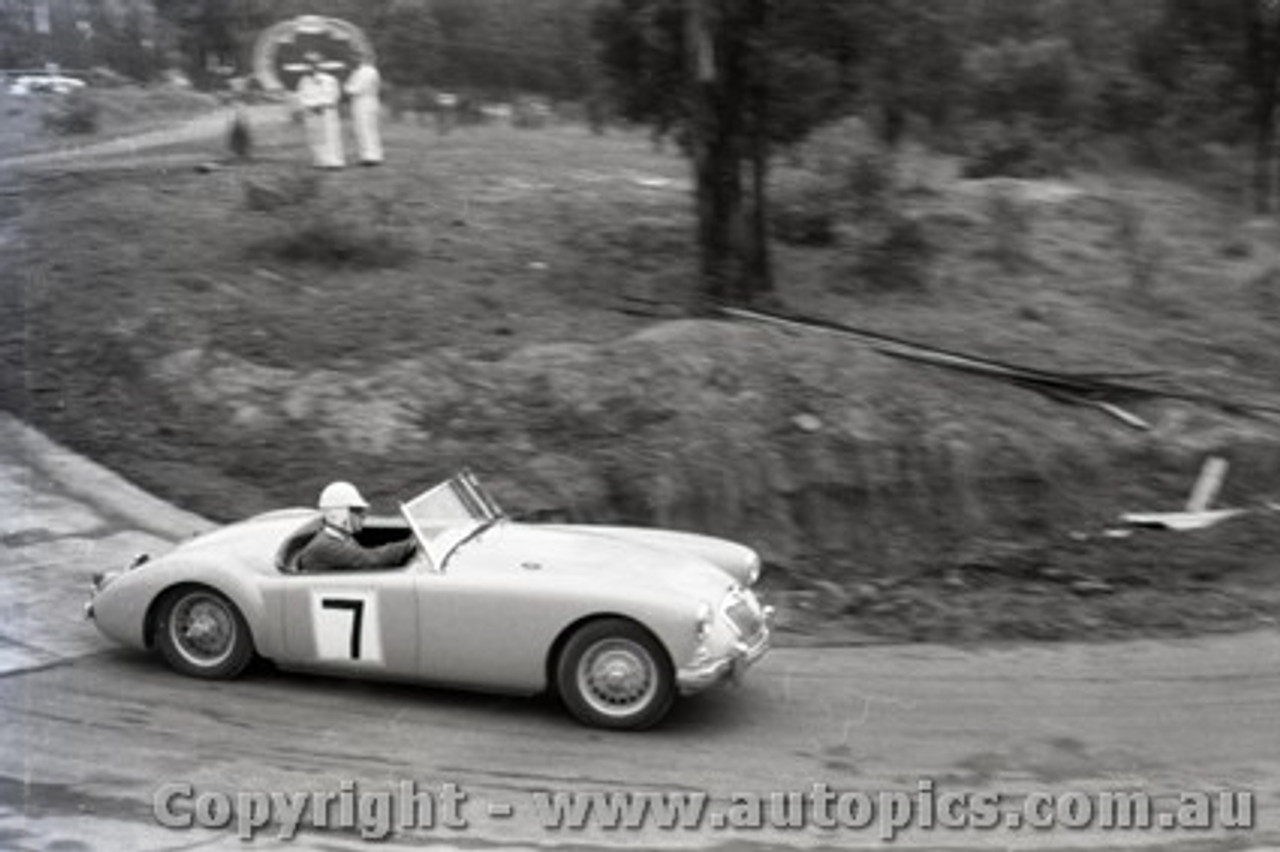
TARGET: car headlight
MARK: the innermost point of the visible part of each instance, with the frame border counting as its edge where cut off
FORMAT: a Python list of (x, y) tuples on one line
[(742, 612), (753, 569), (706, 615)]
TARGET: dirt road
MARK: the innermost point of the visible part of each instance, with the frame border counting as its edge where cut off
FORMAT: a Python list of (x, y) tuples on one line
[(130, 149), (94, 739)]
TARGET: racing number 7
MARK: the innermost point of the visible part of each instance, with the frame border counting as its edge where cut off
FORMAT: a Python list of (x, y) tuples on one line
[(357, 620)]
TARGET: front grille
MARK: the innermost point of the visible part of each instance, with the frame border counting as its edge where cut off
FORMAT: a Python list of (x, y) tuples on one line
[(744, 617)]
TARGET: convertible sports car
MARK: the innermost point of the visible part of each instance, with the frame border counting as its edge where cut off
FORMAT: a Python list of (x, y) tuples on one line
[(614, 620)]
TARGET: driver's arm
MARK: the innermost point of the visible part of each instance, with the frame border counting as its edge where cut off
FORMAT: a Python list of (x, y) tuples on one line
[(392, 555), (326, 553)]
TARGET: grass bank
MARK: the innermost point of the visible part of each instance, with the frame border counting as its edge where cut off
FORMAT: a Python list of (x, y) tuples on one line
[(516, 301)]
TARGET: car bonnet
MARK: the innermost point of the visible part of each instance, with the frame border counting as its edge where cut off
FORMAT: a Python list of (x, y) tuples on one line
[(595, 557)]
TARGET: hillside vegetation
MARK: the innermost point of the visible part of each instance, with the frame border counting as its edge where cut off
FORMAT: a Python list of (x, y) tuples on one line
[(516, 301)]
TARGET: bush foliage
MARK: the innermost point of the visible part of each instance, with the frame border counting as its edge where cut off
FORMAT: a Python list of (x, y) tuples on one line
[(1019, 150), (329, 238), (72, 115), (319, 225)]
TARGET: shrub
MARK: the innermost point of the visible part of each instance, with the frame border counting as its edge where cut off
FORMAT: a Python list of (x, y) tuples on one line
[(330, 238), (1010, 223), (897, 255), (74, 114), (803, 223), (1140, 249), (840, 170), (1018, 150), (832, 149), (1264, 290), (869, 178), (266, 195), (1122, 101), (803, 210), (530, 114), (1014, 79), (350, 229)]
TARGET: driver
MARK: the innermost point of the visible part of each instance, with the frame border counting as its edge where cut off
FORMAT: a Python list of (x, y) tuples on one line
[(334, 547)]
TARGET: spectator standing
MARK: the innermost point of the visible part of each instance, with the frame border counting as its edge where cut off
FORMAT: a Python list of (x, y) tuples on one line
[(362, 86), (319, 94)]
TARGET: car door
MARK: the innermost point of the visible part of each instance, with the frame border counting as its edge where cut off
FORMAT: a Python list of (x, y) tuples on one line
[(480, 626), (353, 621)]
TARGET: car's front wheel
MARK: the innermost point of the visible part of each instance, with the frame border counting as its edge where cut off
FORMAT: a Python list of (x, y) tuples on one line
[(613, 673), (202, 634)]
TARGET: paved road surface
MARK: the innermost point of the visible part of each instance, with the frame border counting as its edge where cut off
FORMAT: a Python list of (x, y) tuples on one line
[(90, 732)]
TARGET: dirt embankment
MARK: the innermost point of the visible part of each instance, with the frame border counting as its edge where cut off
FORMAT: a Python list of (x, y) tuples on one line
[(519, 333), (890, 498)]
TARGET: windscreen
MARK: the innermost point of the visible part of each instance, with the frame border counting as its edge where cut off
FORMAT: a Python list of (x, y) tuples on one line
[(439, 509), (449, 513)]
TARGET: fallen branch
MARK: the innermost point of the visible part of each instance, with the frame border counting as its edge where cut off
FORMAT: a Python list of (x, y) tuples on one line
[(1124, 416), (1079, 388)]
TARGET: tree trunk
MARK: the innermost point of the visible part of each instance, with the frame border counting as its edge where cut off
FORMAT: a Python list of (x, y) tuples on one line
[(1264, 67), (759, 266), (1264, 156), (731, 260)]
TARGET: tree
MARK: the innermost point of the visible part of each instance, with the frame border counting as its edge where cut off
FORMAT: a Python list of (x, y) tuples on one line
[(1015, 79), (727, 128), (1219, 64), (205, 34), (730, 78), (911, 62), (1263, 69), (409, 43), (641, 45), (19, 47), (734, 79), (121, 39)]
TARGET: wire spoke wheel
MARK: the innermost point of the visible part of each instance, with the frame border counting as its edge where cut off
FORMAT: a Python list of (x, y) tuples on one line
[(201, 633), (613, 673), (617, 677), (203, 629)]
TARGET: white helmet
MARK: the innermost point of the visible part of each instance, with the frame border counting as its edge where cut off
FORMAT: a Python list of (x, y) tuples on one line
[(341, 495)]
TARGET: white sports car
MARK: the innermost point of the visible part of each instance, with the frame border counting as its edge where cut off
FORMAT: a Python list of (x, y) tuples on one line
[(616, 621), (37, 84)]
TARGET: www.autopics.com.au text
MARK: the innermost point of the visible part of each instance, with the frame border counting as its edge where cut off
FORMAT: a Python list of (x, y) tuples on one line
[(409, 806)]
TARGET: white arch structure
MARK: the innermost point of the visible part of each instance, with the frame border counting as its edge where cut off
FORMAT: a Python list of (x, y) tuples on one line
[(266, 49)]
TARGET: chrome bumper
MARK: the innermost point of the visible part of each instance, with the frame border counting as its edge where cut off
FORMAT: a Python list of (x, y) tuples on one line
[(696, 678)]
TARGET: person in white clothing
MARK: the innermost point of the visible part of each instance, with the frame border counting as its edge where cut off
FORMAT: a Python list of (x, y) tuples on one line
[(362, 86), (319, 94)]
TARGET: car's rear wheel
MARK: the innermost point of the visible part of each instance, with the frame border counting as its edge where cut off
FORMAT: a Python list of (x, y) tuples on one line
[(613, 673), (202, 634)]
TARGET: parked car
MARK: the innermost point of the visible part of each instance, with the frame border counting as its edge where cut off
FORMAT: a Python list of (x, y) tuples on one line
[(616, 621), (45, 84)]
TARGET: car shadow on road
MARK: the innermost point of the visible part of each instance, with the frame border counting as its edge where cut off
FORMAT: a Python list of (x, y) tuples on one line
[(405, 695), (720, 711), (727, 710)]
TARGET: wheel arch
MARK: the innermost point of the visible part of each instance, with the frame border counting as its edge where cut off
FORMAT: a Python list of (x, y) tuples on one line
[(151, 618), (562, 639)]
